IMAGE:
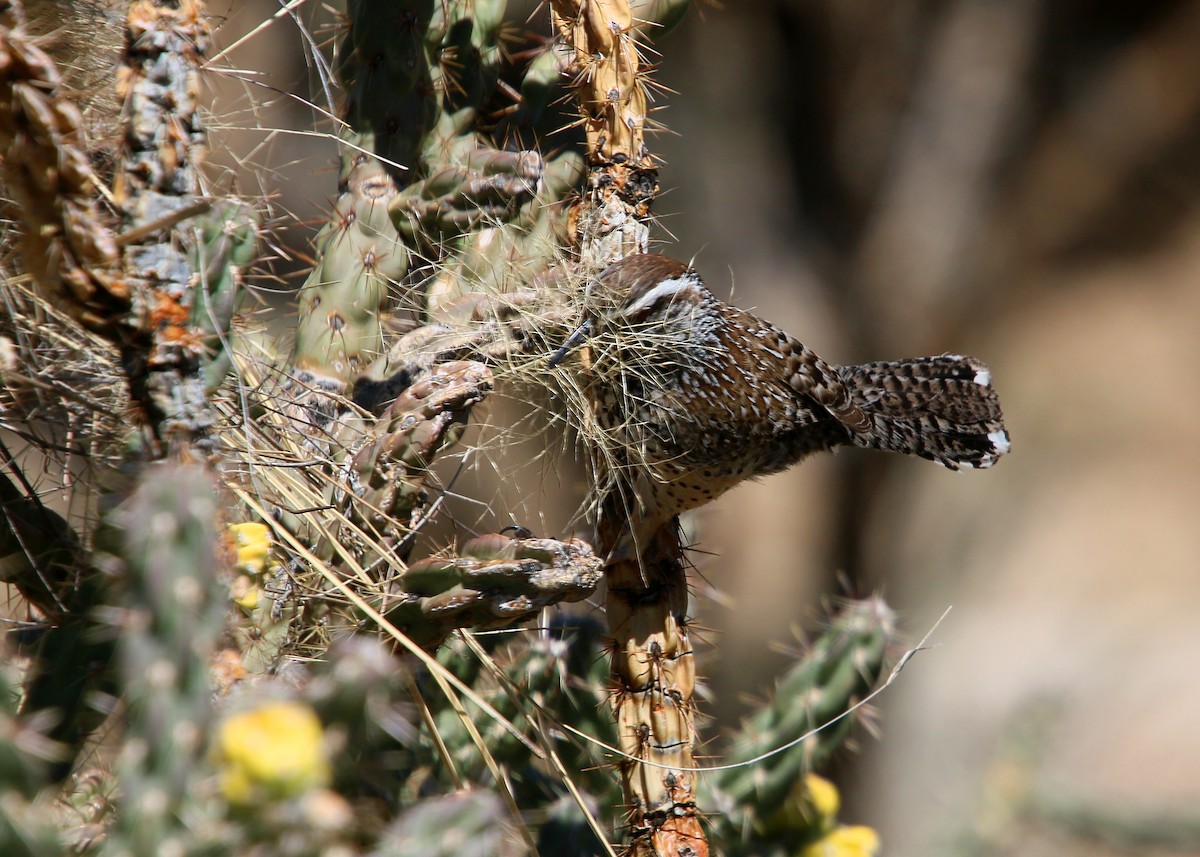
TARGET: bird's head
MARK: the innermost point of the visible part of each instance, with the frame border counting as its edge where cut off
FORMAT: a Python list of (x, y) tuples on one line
[(645, 292)]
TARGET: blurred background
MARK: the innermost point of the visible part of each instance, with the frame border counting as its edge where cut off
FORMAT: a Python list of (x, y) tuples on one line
[(1020, 181), (1015, 179)]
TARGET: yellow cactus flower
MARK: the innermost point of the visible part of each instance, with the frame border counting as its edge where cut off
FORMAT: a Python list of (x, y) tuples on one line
[(253, 543), (271, 752), (822, 796), (245, 592), (845, 841)]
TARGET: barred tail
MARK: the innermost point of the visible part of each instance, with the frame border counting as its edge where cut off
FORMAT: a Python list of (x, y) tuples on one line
[(940, 408)]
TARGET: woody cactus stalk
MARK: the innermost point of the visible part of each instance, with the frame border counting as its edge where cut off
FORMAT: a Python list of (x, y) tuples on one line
[(65, 245), (614, 105), (158, 187), (137, 290), (654, 672)]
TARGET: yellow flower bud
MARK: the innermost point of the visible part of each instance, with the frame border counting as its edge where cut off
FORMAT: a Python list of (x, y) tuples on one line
[(845, 841), (272, 752), (245, 592), (253, 543), (822, 796)]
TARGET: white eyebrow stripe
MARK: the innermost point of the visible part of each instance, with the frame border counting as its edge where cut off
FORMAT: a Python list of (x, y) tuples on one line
[(673, 286)]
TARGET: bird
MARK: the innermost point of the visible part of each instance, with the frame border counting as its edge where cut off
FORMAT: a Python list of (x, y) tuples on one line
[(693, 395)]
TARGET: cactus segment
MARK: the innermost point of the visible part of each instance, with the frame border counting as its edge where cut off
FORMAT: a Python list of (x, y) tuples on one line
[(494, 581), (227, 243), (767, 798)]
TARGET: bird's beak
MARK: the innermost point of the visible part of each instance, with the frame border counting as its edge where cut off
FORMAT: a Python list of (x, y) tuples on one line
[(573, 342)]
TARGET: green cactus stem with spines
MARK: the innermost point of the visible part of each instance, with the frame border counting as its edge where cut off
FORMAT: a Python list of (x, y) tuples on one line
[(359, 256), (416, 82), (172, 616), (468, 56), (227, 243), (842, 667), (493, 256), (489, 187), (359, 691), (542, 82), (416, 79), (386, 66), (466, 824), (401, 132), (562, 673)]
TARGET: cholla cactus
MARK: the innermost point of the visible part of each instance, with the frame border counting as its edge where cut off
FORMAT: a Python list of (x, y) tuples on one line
[(557, 678), (232, 604), (766, 804), (492, 581), (413, 155), (65, 245), (469, 824), (227, 244), (170, 611)]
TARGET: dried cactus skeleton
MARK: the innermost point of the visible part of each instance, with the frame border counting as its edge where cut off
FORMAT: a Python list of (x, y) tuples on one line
[(449, 266)]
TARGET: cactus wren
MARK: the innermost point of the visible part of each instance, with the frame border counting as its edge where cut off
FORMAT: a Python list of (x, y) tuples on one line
[(697, 395)]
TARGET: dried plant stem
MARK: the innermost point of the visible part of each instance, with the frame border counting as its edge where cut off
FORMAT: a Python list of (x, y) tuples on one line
[(611, 91), (655, 674), (653, 663), (65, 246), (158, 180)]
